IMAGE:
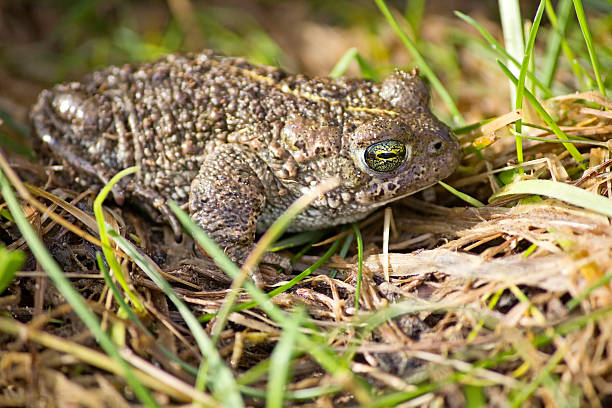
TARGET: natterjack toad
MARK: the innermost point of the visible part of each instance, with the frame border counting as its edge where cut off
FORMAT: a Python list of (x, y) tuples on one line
[(240, 143)]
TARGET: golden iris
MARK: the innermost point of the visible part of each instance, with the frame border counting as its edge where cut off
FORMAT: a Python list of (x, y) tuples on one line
[(385, 156)]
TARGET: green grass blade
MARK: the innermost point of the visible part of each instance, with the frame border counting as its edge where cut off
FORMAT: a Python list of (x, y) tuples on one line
[(545, 115), (106, 247), (555, 38), (396, 398), (303, 394), (222, 382), (533, 385), (312, 393), (10, 263), (117, 295), (369, 322), (604, 280), (6, 214), (254, 373), (468, 128), (545, 140), (72, 296), (422, 64), (300, 277), (502, 53), (474, 396), (415, 10), (342, 65), (520, 87), (465, 197), (367, 71), (281, 360), (560, 25), (512, 26), (561, 191), (14, 146), (17, 145), (297, 240), (18, 127), (346, 245), (589, 43), (533, 32)]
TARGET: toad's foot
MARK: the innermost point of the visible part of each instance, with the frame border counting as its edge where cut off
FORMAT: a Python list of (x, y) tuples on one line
[(226, 198)]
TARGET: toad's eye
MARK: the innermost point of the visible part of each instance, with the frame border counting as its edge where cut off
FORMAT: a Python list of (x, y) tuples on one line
[(385, 156)]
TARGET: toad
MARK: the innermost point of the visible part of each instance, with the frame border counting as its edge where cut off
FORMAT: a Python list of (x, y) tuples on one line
[(239, 143)]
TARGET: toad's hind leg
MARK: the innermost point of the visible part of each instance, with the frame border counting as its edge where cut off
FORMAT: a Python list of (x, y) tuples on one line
[(226, 198)]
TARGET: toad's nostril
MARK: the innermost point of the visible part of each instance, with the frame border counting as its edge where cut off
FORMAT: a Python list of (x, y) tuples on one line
[(435, 147)]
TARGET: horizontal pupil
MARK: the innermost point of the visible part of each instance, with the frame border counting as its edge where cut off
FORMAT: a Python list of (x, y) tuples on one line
[(385, 156)]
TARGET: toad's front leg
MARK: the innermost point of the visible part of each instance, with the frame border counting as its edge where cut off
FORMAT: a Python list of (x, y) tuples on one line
[(226, 198)]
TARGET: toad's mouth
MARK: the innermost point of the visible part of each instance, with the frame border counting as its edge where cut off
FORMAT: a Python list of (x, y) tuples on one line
[(375, 204)]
